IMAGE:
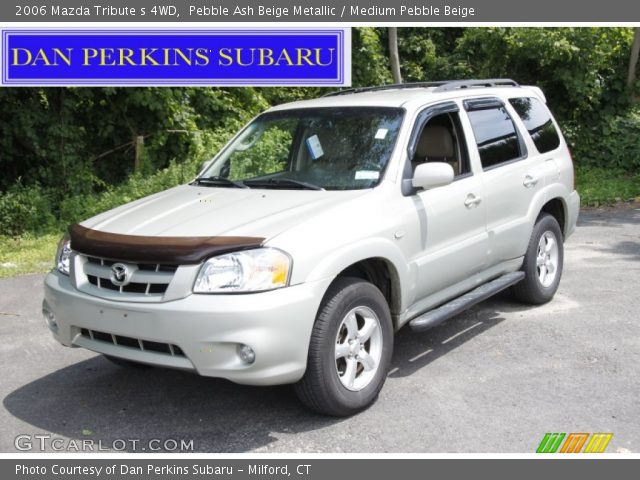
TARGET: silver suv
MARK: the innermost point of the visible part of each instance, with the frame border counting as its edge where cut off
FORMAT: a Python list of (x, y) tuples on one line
[(322, 228)]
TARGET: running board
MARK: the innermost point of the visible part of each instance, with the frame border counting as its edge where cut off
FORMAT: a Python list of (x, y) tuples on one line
[(458, 305)]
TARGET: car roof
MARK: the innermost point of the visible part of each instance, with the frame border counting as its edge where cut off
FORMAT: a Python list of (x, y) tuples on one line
[(415, 95), (377, 98)]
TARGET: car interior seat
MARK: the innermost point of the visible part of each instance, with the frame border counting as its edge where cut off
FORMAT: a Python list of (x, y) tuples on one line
[(436, 145)]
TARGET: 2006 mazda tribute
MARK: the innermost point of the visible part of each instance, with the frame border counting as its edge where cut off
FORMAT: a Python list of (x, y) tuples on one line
[(322, 228)]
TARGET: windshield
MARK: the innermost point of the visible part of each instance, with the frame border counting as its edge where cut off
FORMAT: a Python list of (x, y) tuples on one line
[(328, 148)]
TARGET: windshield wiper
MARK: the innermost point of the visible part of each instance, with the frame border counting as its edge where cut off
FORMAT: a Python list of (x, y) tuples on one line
[(282, 182), (217, 180)]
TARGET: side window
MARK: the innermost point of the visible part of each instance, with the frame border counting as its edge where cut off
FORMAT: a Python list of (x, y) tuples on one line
[(442, 140), (496, 135), (537, 119)]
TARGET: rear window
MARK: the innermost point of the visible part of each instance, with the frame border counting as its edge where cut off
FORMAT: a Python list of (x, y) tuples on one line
[(496, 136), (537, 119)]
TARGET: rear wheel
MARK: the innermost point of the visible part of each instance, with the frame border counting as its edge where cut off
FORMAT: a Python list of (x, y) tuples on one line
[(350, 350), (542, 263)]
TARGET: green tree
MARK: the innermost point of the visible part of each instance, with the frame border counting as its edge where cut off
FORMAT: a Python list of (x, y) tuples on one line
[(581, 70), (633, 58), (369, 58)]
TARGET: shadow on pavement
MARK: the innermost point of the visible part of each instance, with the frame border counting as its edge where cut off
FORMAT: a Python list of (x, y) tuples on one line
[(414, 351), (628, 214), (630, 249), (97, 400)]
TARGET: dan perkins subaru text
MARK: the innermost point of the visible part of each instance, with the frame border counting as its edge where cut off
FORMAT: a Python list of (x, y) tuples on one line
[(150, 57)]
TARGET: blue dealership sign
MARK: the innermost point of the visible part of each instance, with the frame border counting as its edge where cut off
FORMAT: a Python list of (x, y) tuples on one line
[(222, 57)]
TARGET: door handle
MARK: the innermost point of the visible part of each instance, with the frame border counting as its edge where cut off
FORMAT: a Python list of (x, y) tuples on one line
[(472, 200), (529, 181)]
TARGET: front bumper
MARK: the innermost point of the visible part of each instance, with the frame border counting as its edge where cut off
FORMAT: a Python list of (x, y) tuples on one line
[(209, 329)]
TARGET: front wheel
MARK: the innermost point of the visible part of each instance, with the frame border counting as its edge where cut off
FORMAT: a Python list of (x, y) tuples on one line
[(350, 350), (542, 263)]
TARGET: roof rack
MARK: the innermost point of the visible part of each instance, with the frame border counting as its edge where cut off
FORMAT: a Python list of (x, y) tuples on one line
[(393, 86), (440, 86), (491, 82)]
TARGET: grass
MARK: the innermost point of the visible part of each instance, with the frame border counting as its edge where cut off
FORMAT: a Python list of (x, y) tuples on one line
[(601, 186), (34, 254), (27, 254)]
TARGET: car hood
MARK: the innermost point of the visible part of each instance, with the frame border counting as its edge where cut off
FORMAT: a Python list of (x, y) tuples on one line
[(193, 211)]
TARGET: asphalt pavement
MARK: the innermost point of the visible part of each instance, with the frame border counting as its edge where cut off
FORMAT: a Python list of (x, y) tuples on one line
[(494, 379)]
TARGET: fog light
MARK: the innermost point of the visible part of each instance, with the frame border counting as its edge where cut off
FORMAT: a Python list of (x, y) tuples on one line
[(50, 319), (246, 354)]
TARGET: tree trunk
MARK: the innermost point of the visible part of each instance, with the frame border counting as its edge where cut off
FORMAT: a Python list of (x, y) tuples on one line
[(393, 54), (139, 147), (633, 59)]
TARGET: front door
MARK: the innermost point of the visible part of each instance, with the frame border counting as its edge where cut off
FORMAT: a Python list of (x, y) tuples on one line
[(453, 238)]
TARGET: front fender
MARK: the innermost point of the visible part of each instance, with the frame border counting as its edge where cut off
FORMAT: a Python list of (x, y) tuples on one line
[(338, 260)]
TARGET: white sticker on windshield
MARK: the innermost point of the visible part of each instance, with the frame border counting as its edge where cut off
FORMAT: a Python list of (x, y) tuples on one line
[(381, 133), (315, 149), (367, 175)]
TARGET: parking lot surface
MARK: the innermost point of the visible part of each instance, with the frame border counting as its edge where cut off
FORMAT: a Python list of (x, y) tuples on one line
[(494, 379)]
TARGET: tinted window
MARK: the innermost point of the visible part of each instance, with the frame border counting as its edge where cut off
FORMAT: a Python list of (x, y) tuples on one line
[(538, 121), (495, 135)]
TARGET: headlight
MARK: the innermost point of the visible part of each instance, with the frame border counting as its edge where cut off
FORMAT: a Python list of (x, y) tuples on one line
[(63, 255), (248, 271)]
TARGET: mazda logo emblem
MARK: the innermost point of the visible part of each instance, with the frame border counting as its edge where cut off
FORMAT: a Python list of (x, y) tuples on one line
[(120, 274)]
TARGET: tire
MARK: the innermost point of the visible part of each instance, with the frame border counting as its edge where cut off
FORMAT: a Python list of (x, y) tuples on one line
[(121, 362), (332, 385), (541, 256)]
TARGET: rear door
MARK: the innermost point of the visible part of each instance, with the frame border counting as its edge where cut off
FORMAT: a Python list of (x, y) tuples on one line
[(543, 134), (511, 176)]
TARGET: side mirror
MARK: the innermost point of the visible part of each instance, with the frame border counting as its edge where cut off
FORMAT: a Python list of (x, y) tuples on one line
[(432, 174)]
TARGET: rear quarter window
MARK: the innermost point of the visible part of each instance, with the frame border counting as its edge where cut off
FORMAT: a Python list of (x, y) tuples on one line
[(537, 120)]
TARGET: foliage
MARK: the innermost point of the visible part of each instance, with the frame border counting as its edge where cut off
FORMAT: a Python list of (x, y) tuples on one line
[(267, 152), (612, 140), (601, 186), (78, 140), (27, 254), (428, 54), (68, 153), (30, 209), (370, 63), (26, 208), (581, 70), (76, 208)]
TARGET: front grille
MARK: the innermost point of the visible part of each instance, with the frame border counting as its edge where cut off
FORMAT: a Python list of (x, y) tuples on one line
[(136, 343), (148, 279)]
